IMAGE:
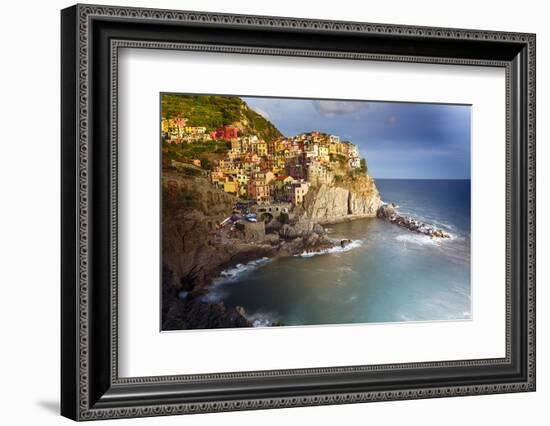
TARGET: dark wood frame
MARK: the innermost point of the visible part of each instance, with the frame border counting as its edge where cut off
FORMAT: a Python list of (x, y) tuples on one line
[(90, 386)]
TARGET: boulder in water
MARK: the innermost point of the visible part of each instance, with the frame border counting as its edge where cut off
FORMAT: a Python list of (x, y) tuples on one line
[(345, 242), (386, 211)]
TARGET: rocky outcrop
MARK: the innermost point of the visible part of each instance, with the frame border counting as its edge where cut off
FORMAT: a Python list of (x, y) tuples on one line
[(388, 212), (325, 202), (295, 242), (195, 251), (350, 199), (196, 314), (191, 210), (363, 205)]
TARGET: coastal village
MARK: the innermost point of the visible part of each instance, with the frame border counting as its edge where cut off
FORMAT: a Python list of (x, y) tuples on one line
[(242, 192), (263, 172), (272, 178)]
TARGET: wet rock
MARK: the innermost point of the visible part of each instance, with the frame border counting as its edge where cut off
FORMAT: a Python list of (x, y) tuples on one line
[(386, 211), (288, 232), (389, 213), (345, 242), (310, 239), (318, 229), (240, 310), (295, 246), (197, 314)]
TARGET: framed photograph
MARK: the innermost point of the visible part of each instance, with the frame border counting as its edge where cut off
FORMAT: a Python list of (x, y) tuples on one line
[(263, 212)]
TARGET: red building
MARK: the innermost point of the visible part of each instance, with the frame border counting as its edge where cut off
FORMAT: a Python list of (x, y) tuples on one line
[(225, 132)]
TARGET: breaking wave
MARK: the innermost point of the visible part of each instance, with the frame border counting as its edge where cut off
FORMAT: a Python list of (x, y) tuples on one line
[(423, 240), (232, 275), (419, 239), (217, 292), (336, 249), (260, 319)]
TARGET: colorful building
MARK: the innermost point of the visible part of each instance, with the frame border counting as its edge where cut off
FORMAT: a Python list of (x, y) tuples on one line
[(259, 191), (231, 186), (298, 190), (225, 132), (318, 174)]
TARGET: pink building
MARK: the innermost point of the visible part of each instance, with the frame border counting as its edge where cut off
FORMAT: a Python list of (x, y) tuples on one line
[(225, 132), (298, 190), (258, 191)]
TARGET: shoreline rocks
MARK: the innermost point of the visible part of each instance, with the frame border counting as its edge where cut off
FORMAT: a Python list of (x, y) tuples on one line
[(182, 298), (197, 314), (345, 242), (389, 213)]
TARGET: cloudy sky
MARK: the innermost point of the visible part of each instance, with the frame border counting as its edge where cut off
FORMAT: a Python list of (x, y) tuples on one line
[(398, 140)]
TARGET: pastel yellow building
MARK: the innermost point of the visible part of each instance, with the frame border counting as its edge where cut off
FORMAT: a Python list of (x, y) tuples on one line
[(231, 187), (261, 148)]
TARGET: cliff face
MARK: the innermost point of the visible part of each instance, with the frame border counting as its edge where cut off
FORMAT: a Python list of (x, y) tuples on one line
[(353, 198), (191, 210), (194, 251), (191, 255)]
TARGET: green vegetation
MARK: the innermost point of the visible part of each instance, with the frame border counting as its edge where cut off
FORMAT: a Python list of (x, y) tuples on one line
[(214, 112), (206, 152), (259, 126)]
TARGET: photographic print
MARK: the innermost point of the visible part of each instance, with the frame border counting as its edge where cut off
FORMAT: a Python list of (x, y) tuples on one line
[(307, 212)]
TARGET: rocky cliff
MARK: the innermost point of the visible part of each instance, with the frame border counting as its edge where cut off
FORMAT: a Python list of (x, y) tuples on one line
[(191, 209), (191, 257), (353, 197), (195, 251)]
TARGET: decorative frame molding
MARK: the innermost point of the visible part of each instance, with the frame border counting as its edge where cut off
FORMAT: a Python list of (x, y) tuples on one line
[(87, 397)]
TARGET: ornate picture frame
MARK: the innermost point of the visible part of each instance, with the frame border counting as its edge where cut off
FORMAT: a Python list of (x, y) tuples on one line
[(91, 37)]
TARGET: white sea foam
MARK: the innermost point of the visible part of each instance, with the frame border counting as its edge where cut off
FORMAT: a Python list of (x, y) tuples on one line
[(234, 274), (441, 224), (261, 319), (332, 250), (419, 239), (422, 239), (217, 292)]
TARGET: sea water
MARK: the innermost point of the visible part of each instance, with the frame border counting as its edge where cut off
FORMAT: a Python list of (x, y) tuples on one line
[(387, 273)]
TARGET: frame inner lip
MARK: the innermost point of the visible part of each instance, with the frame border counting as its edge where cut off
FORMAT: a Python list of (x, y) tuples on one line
[(116, 44)]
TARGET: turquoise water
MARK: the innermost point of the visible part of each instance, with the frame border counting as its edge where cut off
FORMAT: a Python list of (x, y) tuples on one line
[(389, 274)]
